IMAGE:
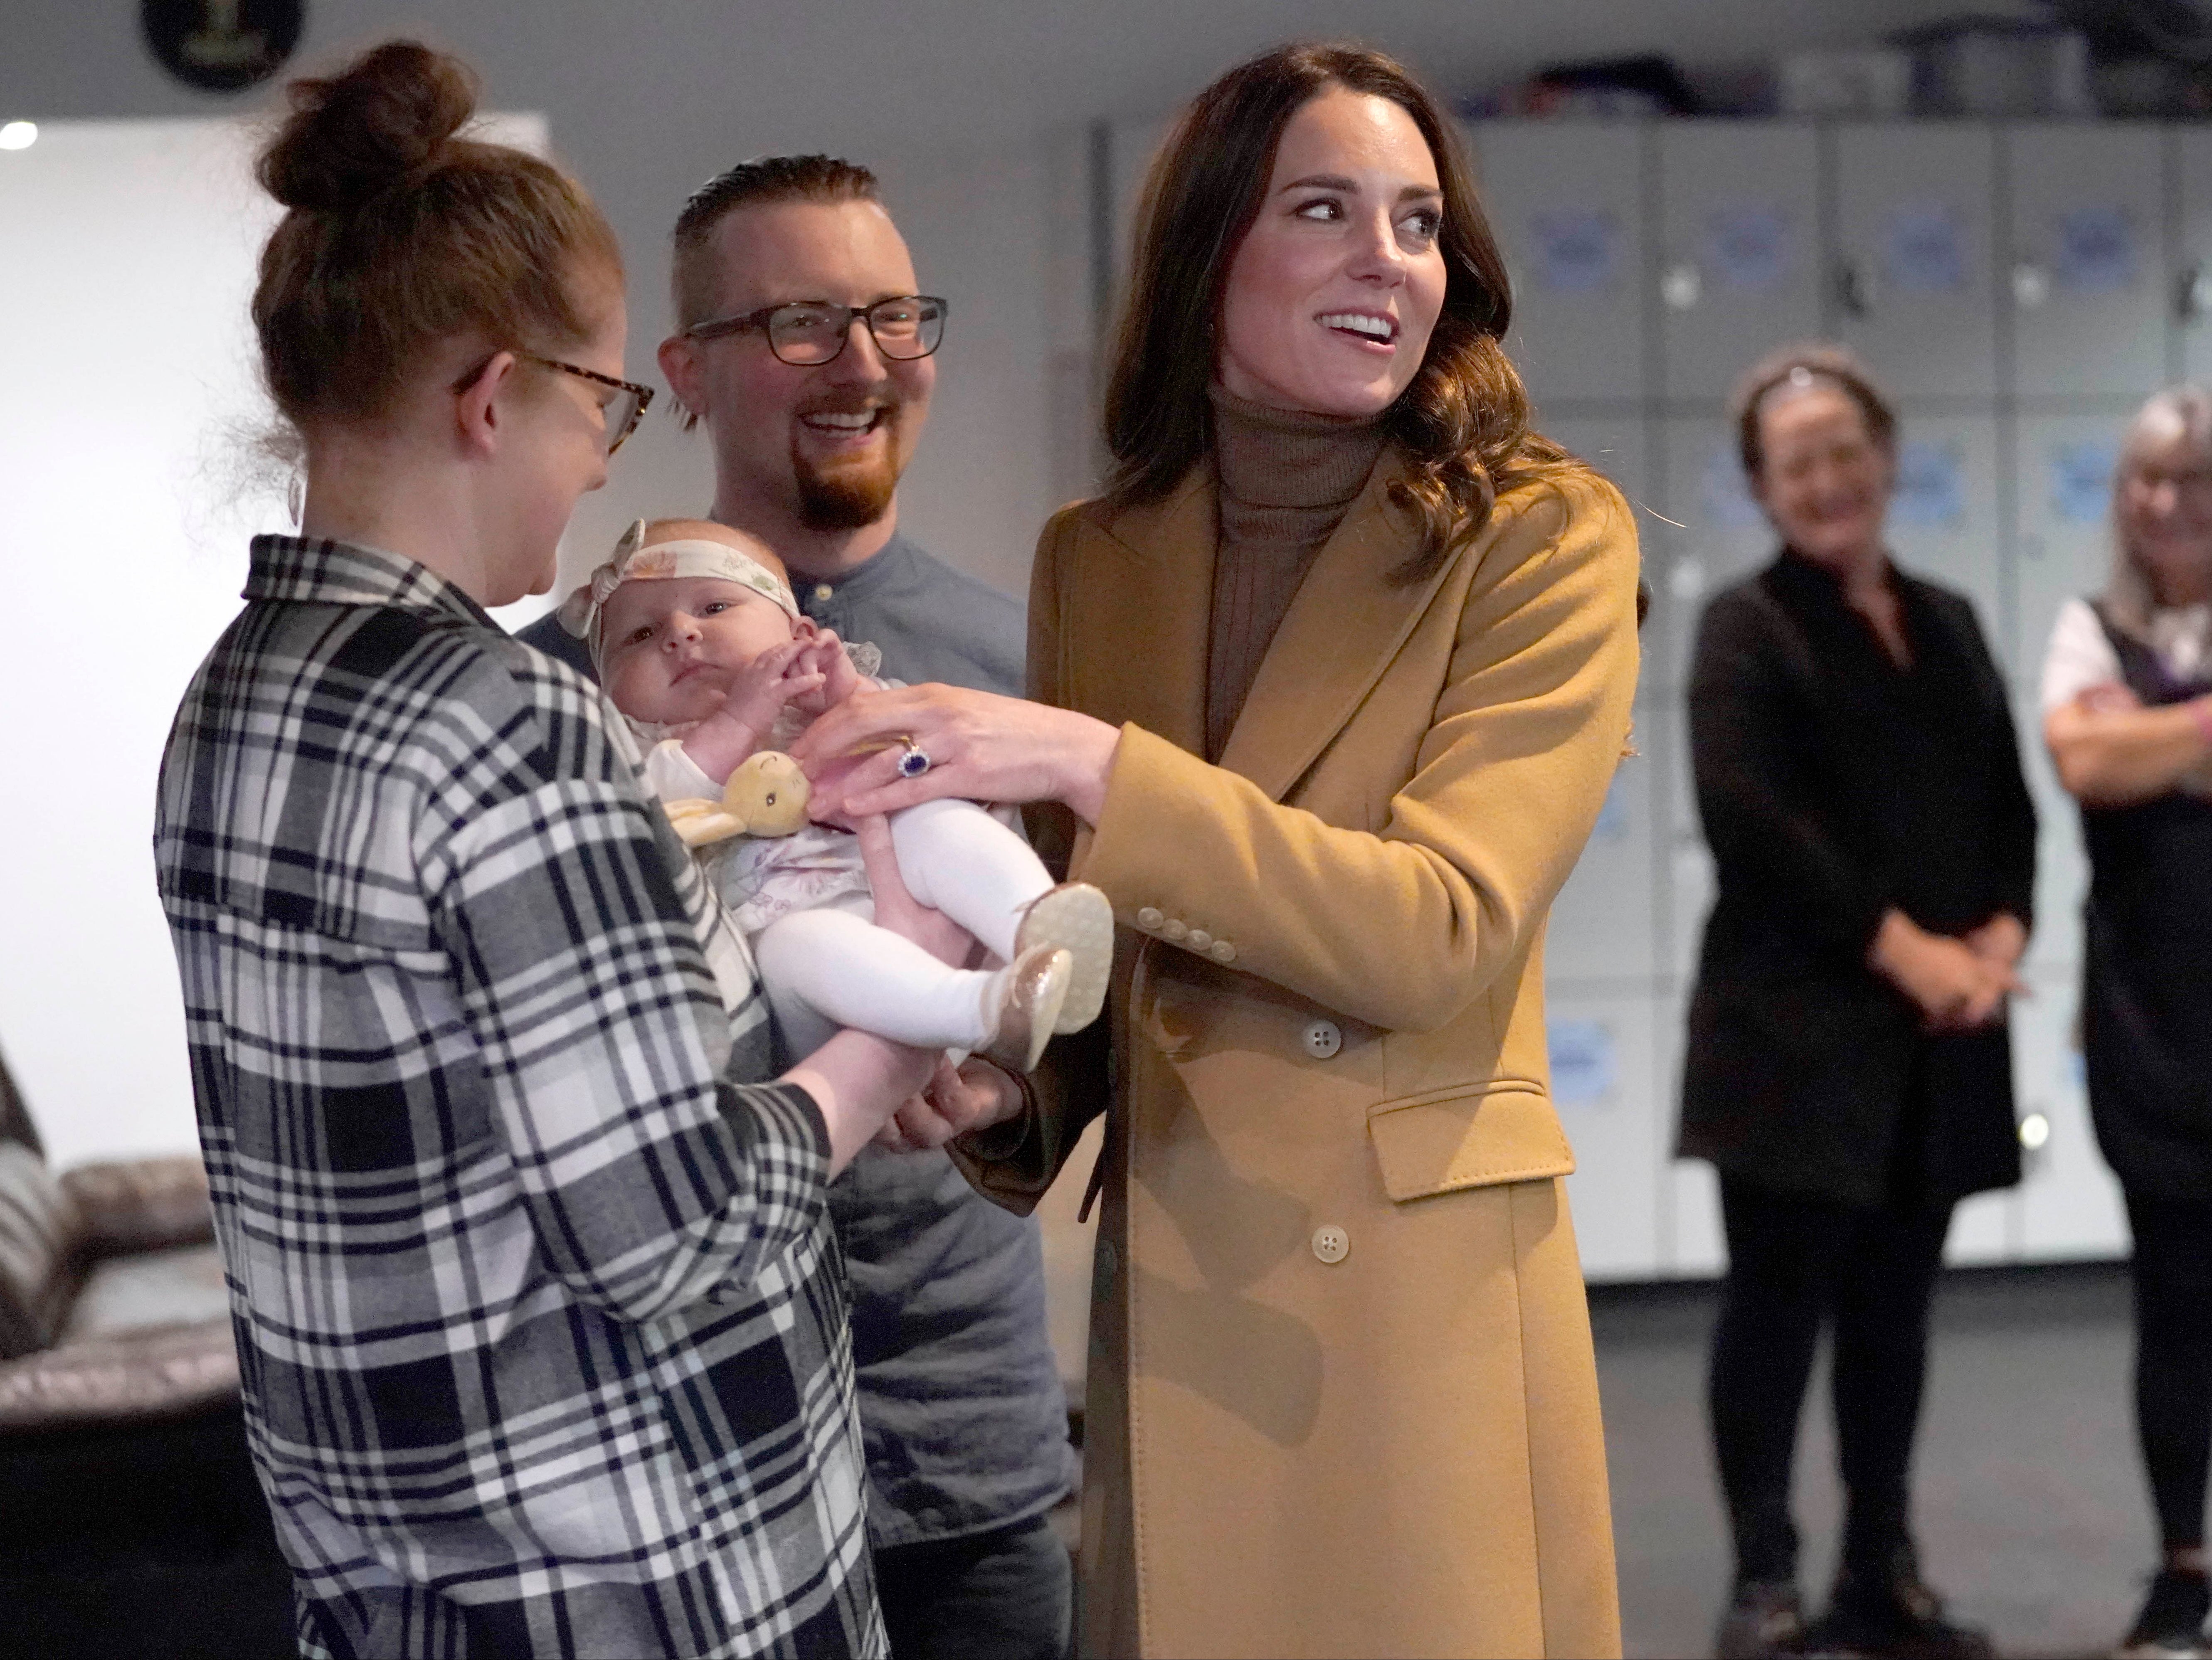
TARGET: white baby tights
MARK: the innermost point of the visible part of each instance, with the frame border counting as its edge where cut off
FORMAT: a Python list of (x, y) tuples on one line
[(832, 966)]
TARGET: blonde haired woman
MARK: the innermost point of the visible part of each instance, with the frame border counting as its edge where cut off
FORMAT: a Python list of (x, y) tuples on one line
[(2127, 704)]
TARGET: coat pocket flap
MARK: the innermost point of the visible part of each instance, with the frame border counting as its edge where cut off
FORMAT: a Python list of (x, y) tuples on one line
[(1508, 1133)]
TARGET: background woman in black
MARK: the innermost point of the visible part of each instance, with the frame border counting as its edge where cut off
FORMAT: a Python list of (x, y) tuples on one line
[(1848, 1070), (2127, 706)]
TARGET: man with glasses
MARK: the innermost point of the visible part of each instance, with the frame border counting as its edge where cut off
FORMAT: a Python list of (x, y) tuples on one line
[(804, 347)]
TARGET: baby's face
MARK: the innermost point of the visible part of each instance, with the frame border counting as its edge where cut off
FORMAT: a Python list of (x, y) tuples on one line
[(669, 648)]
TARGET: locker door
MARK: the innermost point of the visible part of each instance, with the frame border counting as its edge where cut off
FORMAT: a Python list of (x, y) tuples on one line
[(2064, 475), (2087, 260), (1691, 1243), (1912, 270), (1739, 249), (2192, 253), (1603, 922), (2070, 1206), (1601, 1084), (1567, 202), (1684, 873), (1943, 513), (1713, 534)]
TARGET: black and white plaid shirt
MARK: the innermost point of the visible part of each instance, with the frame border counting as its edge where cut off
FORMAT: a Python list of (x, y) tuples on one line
[(541, 1321)]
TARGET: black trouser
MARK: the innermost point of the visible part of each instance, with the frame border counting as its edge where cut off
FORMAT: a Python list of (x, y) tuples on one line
[(1006, 1595), (1794, 1262), (2173, 1270)]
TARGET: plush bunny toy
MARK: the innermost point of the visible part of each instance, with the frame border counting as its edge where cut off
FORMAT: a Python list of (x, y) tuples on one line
[(766, 795)]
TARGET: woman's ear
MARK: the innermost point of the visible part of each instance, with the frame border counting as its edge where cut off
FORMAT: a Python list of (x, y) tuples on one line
[(476, 414)]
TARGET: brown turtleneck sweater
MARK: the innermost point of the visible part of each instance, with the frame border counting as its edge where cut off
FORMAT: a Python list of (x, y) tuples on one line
[(1287, 479)]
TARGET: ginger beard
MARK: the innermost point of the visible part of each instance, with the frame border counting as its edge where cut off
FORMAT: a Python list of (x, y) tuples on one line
[(850, 492)]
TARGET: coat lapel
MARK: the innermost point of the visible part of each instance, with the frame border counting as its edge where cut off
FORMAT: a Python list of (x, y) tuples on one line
[(1155, 601), (1341, 631)]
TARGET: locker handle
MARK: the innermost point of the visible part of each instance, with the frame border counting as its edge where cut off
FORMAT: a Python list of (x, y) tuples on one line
[(2194, 299), (1854, 288), (1682, 286), (2031, 286)]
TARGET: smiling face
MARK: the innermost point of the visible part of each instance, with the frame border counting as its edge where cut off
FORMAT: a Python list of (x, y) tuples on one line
[(1823, 479), (2165, 506), (1333, 294), (669, 648), (822, 445)]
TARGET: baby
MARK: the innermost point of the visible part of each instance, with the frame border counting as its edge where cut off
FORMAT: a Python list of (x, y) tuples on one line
[(701, 646)]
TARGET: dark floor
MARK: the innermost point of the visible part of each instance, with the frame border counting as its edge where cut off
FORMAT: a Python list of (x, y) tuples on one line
[(2030, 1505)]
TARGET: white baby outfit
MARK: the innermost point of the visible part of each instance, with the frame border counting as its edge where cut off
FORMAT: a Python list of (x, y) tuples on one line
[(803, 904), (802, 901)]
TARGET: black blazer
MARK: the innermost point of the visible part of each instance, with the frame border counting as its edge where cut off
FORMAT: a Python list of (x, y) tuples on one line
[(1834, 786)]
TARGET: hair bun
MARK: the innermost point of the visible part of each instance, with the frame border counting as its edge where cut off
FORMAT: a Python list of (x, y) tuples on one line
[(381, 118)]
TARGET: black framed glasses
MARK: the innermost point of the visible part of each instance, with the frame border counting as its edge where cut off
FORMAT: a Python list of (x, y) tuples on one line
[(808, 332), (620, 412)]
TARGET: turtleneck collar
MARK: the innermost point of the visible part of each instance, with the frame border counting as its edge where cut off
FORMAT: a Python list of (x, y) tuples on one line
[(1271, 457)]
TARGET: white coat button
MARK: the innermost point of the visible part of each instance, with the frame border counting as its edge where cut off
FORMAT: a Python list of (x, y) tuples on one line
[(1331, 1242), (1149, 917), (1323, 1040), (1173, 929), (1200, 940), (1222, 951)]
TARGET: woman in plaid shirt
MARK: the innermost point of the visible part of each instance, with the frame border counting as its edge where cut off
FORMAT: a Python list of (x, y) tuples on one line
[(541, 1322)]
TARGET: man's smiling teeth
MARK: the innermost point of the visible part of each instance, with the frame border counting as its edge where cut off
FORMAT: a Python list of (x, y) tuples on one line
[(1375, 328), (843, 423)]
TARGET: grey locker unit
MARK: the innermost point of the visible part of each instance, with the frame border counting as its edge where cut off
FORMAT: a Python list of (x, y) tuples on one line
[(2088, 272), (2070, 1205), (2190, 294), (1740, 258), (1601, 1059), (2062, 866), (1616, 445), (1914, 289), (1602, 923), (1711, 535), (2064, 464), (1943, 517), (1568, 204)]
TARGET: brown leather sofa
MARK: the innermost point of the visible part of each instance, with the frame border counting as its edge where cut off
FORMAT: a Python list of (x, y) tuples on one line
[(130, 1522)]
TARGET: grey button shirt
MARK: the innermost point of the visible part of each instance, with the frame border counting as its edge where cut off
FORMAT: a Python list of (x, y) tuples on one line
[(961, 1403)]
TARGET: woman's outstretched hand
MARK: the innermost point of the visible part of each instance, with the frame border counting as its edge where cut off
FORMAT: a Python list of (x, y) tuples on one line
[(981, 748)]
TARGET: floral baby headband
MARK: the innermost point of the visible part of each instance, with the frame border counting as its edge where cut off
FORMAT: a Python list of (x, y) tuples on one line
[(634, 560)]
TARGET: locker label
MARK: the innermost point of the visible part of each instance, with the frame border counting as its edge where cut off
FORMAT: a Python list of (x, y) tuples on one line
[(2082, 480), (1924, 249), (1584, 1067), (1574, 249), (2096, 250), (1930, 491), (1747, 246)]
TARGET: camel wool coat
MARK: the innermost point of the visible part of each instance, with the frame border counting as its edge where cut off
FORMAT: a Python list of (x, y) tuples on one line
[(1342, 1399)]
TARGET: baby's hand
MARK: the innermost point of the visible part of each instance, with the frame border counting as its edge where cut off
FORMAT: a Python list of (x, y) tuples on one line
[(757, 694), (825, 654)]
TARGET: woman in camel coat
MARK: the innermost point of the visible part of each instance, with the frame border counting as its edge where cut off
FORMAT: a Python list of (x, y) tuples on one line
[(1329, 727)]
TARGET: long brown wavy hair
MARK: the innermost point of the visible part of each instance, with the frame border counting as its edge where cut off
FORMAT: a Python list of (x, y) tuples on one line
[(1462, 424)]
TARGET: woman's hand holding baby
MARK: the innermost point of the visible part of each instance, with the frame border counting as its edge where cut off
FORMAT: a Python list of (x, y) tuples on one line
[(758, 693), (974, 1095)]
